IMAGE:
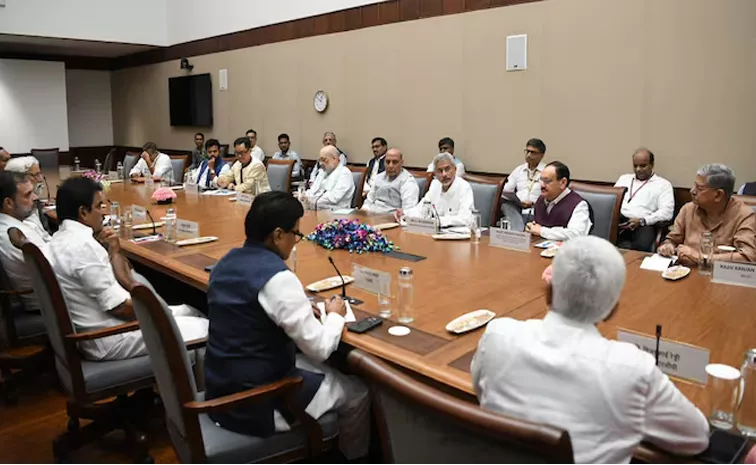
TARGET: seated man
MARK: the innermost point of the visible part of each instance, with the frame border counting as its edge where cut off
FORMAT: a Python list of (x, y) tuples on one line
[(259, 316), (713, 209), (524, 183), (748, 188), (17, 205), (649, 199), (257, 152), (449, 196), (560, 213), (285, 153), (393, 189), (608, 395), (154, 164), (212, 168), (30, 166), (247, 174), (329, 138), (377, 164), (199, 153), (4, 157), (95, 277), (334, 187), (446, 145)]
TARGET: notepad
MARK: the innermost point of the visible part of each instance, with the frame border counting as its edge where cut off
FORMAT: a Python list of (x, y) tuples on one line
[(349, 318), (657, 263)]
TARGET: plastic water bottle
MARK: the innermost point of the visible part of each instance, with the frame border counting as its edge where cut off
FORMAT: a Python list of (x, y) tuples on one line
[(76, 164), (170, 226), (475, 227), (746, 410), (148, 178), (115, 214), (405, 297), (126, 225), (119, 170), (427, 210), (98, 166)]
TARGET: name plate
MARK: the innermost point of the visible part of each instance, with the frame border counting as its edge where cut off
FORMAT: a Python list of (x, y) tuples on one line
[(187, 229), (420, 225), (244, 199), (113, 174), (736, 274), (368, 279), (515, 240), (675, 358), (138, 213)]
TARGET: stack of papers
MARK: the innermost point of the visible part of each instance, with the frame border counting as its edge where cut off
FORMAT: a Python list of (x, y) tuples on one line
[(349, 318), (657, 263)]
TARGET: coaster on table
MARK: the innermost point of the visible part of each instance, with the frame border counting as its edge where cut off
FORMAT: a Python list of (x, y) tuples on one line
[(329, 283)]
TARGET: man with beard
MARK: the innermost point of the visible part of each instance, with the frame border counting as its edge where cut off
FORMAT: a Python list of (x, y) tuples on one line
[(333, 187), (30, 167)]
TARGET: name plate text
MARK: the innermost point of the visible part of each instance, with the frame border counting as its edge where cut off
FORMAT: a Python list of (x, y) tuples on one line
[(515, 240), (675, 358), (736, 274), (420, 225), (138, 213), (113, 174), (187, 229), (368, 279), (244, 199)]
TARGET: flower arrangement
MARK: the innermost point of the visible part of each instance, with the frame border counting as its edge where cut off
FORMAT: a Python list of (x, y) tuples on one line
[(97, 177), (164, 195), (350, 235)]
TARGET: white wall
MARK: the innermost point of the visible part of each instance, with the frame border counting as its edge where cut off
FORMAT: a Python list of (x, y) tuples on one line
[(33, 105), (198, 19), (90, 110), (131, 21)]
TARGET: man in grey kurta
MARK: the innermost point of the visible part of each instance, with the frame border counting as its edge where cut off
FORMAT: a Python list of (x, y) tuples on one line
[(392, 189)]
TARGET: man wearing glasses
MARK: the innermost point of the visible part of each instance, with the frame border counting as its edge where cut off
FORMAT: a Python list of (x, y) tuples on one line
[(247, 174), (30, 166), (713, 209), (259, 316), (523, 186)]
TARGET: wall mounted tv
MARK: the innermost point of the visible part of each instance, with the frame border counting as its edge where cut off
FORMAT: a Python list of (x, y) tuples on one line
[(191, 100)]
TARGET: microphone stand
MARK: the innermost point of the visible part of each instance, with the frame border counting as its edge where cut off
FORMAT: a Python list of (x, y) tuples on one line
[(658, 338), (316, 200), (438, 218), (154, 231), (351, 300)]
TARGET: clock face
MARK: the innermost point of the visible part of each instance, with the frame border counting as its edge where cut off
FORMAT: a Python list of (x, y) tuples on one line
[(320, 101)]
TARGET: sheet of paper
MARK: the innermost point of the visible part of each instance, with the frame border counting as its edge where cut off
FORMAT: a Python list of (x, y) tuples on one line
[(343, 211), (349, 318), (655, 263)]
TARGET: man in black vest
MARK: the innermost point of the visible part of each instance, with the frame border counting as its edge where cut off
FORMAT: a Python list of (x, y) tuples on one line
[(748, 188), (560, 213), (377, 164), (259, 315)]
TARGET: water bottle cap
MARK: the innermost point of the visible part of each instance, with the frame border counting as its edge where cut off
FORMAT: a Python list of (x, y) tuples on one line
[(751, 356), (405, 271), (171, 211)]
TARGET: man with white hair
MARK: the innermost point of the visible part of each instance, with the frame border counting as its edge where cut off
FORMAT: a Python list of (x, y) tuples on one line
[(30, 166), (713, 209), (334, 186), (450, 197), (608, 395), (393, 188), (329, 138)]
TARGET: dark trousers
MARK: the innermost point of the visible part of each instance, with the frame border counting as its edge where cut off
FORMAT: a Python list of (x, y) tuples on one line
[(643, 239)]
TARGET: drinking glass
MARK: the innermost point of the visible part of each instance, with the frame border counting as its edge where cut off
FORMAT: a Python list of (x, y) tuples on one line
[(384, 300), (723, 392), (706, 250)]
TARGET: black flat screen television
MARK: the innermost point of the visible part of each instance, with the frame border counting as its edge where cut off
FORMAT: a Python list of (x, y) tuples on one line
[(191, 100)]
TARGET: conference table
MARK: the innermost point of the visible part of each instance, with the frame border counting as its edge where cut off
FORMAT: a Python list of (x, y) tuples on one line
[(455, 278)]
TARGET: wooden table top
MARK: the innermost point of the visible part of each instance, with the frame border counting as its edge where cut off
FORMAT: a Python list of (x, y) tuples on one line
[(458, 277)]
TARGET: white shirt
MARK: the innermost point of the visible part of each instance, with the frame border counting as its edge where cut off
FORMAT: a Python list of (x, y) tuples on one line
[(457, 161), (332, 191), (579, 225), (652, 200), (202, 181), (13, 259), (525, 183), (454, 206), (608, 395), (317, 169), (35, 222), (290, 155), (88, 283), (258, 153), (389, 194), (163, 167)]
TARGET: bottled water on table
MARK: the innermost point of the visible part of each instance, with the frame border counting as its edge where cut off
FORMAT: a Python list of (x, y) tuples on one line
[(170, 226), (405, 297)]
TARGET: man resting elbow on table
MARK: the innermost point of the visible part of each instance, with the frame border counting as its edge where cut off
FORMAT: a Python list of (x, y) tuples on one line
[(561, 371), (247, 174), (154, 164), (393, 189)]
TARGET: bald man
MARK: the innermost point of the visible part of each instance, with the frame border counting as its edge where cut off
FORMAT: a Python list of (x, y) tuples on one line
[(395, 188), (329, 138), (333, 187)]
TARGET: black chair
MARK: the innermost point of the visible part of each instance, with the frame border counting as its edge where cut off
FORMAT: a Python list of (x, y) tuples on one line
[(487, 198), (48, 158), (424, 180), (359, 173), (605, 201)]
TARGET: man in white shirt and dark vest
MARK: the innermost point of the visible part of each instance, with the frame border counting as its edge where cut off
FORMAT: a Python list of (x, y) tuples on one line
[(560, 212), (257, 152), (608, 395), (649, 200), (154, 164), (393, 189), (377, 164), (212, 168), (449, 197), (524, 183), (334, 187), (259, 316)]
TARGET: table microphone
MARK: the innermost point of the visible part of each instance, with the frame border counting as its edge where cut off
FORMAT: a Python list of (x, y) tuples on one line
[(438, 218), (658, 338), (351, 300), (316, 204)]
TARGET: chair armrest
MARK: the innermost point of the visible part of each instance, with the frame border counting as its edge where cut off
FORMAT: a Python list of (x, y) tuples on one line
[(16, 291), (232, 401), (196, 343), (100, 333)]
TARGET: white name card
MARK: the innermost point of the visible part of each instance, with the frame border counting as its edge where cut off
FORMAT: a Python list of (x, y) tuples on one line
[(515, 240), (138, 213), (113, 174), (675, 358), (377, 282), (188, 229), (736, 274), (244, 199), (420, 225)]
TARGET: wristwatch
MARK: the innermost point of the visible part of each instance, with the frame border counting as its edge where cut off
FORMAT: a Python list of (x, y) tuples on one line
[(643, 222)]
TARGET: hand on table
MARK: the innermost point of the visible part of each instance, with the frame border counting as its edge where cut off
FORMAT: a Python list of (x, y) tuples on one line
[(336, 305), (398, 213), (666, 250), (533, 228), (687, 255)]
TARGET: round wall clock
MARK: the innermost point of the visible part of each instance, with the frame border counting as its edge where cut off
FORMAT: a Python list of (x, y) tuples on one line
[(320, 101)]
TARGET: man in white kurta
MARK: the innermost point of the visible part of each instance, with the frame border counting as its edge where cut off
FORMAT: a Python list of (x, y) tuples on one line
[(153, 163), (449, 196), (30, 166), (393, 189), (649, 200), (329, 138), (333, 189), (608, 395)]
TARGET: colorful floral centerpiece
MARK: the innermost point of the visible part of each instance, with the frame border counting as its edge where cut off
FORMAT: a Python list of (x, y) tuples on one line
[(164, 195), (350, 235), (97, 177)]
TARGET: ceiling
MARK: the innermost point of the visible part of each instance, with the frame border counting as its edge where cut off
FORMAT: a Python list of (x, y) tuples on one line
[(17, 44)]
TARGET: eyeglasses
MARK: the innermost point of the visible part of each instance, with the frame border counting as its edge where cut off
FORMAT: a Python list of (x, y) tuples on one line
[(298, 236), (546, 181), (697, 188)]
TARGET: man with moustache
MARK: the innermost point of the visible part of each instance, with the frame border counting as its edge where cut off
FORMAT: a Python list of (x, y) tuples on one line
[(334, 187), (394, 188), (524, 183), (377, 164), (210, 170)]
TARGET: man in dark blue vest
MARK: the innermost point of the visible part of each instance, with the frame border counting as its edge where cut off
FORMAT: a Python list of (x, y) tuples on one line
[(560, 213), (210, 169), (259, 315), (377, 164)]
